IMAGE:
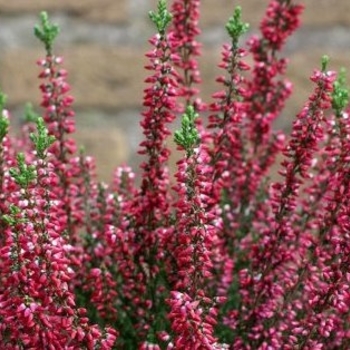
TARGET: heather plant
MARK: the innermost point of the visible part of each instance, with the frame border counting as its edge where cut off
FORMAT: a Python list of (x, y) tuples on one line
[(219, 256)]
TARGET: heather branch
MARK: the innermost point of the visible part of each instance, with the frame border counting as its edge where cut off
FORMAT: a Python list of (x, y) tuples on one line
[(229, 123), (58, 116), (267, 91), (194, 237), (150, 205), (184, 30)]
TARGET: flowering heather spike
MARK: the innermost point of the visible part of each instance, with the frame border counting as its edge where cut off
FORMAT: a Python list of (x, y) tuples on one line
[(227, 125), (150, 206), (186, 49), (227, 121), (59, 118), (282, 18), (193, 313), (277, 268), (58, 114), (159, 100), (124, 183), (268, 92)]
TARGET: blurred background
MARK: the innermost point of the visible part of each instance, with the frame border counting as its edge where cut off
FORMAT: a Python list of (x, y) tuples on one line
[(103, 43)]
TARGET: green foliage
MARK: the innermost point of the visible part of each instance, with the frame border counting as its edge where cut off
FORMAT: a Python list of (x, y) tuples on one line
[(12, 219), (340, 95), (162, 17), (30, 115), (4, 122), (235, 26), (42, 140), (187, 137), (25, 174), (3, 99), (324, 63), (46, 32)]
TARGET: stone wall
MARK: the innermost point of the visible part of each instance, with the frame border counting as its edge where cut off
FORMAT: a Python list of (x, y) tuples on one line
[(103, 42)]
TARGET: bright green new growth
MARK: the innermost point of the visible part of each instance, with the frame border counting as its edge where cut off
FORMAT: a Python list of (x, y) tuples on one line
[(161, 18), (4, 122), (187, 137), (3, 99), (46, 32), (25, 174), (11, 219), (235, 26), (30, 115), (324, 63), (42, 140), (340, 95)]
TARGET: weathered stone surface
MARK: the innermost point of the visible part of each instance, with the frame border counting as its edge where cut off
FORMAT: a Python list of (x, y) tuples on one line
[(218, 12), (18, 73), (107, 78), (101, 10), (107, 145), (208, 64), (111, 77), (317, 12), (326, 12), (214, 13)]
